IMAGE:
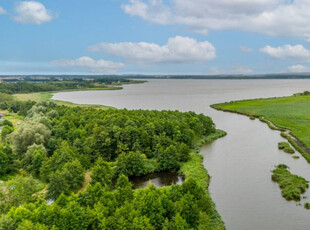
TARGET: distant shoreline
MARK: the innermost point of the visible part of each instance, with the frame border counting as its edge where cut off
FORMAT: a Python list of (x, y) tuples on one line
[(172, 76)]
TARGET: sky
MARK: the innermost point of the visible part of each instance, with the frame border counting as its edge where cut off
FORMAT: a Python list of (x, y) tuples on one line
[(154, 36)]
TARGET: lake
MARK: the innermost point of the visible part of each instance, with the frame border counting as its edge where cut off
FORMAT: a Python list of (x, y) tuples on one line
[(240, 164)]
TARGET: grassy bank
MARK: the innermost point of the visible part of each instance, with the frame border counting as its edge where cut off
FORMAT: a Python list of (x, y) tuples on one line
[(47, 96), (284, 113), (292, 186), (194, 169)]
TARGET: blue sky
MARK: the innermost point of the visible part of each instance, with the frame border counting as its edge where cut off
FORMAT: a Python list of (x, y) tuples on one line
[(154, 36)]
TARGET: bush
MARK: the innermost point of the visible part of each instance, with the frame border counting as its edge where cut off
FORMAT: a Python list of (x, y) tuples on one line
[(292, 186), (286, 147)]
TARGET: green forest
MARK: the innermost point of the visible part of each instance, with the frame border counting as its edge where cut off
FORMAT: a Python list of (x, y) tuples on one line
[(54, 84), (45, 162)]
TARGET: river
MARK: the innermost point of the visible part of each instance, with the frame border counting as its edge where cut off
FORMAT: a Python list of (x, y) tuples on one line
[(240, 164)]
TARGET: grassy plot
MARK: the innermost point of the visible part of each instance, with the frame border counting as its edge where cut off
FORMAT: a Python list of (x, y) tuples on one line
[(292, 186), (47, 96), (12, 117), (291, 113)]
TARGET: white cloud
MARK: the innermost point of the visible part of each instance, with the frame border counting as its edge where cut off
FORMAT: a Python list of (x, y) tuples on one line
[(2, 11), (245, 49), (287, 52), (96, 66), (177, 50), (32, 12), (298, 69), (237, 69), (285, 18)]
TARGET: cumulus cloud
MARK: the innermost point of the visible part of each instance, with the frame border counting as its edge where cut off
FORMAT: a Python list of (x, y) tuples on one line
[(287, 52), (177, 50), (237, 69), (96, 66), (245, 49), (2, 11), (271, 17), (32, 12), (298, 69)]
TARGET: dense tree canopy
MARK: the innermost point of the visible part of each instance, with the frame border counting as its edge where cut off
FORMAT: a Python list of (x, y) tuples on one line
[(57, 145)]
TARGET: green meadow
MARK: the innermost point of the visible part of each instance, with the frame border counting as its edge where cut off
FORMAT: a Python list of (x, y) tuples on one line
[(292, 113)]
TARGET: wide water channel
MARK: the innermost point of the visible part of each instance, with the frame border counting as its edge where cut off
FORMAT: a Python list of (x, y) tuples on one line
[(240, 164)]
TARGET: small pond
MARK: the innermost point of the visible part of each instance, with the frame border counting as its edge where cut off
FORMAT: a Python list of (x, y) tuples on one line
[(160, 179)]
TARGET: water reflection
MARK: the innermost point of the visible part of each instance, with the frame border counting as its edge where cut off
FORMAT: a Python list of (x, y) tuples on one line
[(160, 179)]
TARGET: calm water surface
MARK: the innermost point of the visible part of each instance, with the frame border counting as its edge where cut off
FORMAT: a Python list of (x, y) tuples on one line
[(159, 179), (240, 164)]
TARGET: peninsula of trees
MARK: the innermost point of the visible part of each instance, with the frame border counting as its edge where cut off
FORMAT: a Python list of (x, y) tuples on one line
[(70, 168)]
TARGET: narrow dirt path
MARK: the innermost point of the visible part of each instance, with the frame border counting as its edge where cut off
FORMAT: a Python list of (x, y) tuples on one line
[(287, 133)]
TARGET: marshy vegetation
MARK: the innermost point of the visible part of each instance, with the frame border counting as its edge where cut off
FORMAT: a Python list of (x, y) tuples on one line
[(292, 186), (286, 147)]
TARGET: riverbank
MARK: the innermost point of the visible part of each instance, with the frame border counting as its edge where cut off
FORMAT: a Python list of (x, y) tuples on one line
[(194, 169), (290, 115), (47, 96)]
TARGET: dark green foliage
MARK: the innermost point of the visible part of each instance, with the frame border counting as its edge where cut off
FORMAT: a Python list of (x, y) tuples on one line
[(111, 144), (292, 186), (29, 87), (168, 158), (286, 147), (6, 160), (102, 173), (6, 123), (65, 180), (305, 93), (34, 158), (4, 163), (183, 152), (6, 130), (124, 190), (131, 164), (307, 205), (177, 207)]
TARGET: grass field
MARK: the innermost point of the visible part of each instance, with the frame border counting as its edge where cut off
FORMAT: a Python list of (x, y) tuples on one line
[(292, 113), (47, 96)]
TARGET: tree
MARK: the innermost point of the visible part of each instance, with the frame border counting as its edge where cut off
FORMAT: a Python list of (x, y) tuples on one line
[(4, 163), (102, 173), (177, 223), (149, 203), (123, 190), (34, 158), (184, 152), (6, 130), (28, 134), (168, 158), (58, 185), (73, 172), (132, 163), (28, 225)]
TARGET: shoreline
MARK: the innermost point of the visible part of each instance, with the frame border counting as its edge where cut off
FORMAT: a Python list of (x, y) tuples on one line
[(285, 133), (195, 169)]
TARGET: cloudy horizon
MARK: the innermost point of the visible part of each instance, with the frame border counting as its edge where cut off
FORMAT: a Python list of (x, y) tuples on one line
[(154, 37)]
